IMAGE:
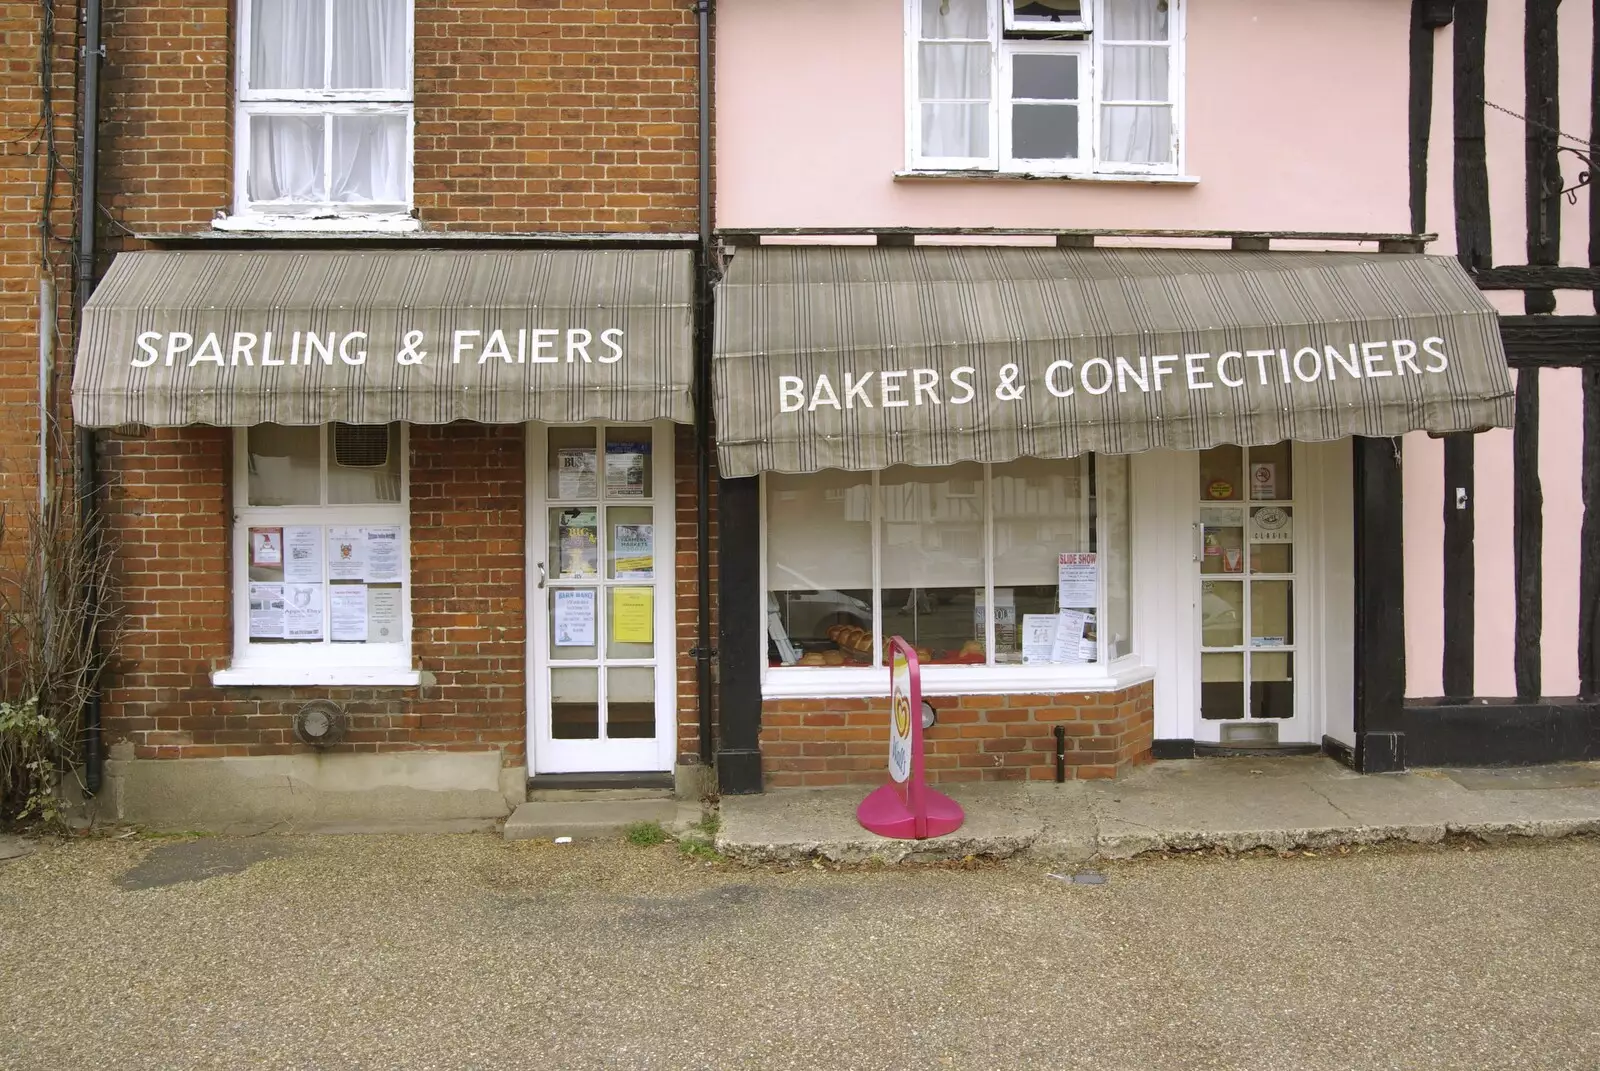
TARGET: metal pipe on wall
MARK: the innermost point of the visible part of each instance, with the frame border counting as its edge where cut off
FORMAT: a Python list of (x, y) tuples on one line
[(704, 651)]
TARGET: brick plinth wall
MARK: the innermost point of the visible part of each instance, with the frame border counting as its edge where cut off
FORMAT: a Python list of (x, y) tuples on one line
[(978, 738)]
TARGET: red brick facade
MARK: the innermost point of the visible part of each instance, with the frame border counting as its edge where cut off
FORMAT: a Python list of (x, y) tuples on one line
[(978, 738)]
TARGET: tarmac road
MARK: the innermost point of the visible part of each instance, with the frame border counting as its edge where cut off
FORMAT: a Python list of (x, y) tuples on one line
[(467, 952)]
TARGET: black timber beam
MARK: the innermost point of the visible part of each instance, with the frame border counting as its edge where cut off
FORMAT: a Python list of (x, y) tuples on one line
[(1380, 625), (741, 635), (1501, 732), (1551, 341)]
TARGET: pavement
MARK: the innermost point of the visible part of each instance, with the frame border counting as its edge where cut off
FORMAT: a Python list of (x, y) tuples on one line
[(1227, 804), (466, 951)]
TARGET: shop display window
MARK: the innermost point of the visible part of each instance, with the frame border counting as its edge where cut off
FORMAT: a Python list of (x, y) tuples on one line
[(322, 574), (1019, 563)]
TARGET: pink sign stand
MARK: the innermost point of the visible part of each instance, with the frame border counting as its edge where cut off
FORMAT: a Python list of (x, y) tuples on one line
[(906, 807)]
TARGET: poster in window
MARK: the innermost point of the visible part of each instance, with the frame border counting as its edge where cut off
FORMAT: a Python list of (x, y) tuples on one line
[(625, 464), (1078, 581), (302, 611), (1070, 629), (266, 612), (347, 554), (633, 546), (578, 538), (302, 554), (1263, 480), (1038, 637), (574, 618), (348, 605), (266, 546), (575, 475), (1271, 524), (383, 615), (632, 615), (383, 554)]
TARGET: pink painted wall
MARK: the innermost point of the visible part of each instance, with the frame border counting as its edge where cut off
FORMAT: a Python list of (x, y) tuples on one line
[(1561, 428), (1296, 121)]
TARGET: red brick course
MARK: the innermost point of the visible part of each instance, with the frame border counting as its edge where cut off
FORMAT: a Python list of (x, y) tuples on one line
[(817, 742)]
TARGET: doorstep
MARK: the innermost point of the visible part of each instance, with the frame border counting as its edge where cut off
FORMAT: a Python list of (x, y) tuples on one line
[(1230, 804), (585, 819)]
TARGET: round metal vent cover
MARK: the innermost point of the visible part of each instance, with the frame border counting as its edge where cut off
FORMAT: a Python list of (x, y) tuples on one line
[(320, 723)]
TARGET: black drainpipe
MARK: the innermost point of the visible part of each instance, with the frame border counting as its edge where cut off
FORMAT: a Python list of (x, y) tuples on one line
[(704, 651), (83, 282)]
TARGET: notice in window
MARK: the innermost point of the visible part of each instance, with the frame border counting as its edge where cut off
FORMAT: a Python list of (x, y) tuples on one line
[(348, 606), (1263, 480), (302, 611), (266, 547), (625, 464), (302, 555), (633, 546), (632, 615), (266, 612), (575, 472), (1038, 637), (1271, 524), (578, 537), (347, 554), (383, 554), (1078, 581), (383, 615), (1068, 647), (574, 618)]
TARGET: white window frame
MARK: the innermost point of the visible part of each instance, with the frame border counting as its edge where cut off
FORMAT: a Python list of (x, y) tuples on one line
[(1005, 42), (321, 662), (327, 214), (785, 682)]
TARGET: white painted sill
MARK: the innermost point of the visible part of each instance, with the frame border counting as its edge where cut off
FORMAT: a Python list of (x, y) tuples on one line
[(1133, 178), (316, 676), (826, 682), (353, 224)]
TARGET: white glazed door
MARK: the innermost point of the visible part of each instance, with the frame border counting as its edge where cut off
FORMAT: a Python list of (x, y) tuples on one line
[(601, 682)]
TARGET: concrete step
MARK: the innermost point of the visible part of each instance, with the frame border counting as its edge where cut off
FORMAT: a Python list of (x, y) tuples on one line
[(581, 795), (589, 819)]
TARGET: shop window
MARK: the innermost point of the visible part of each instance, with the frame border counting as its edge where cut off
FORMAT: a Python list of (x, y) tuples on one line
[(1044, 86), (1017, 564), (321, 557), (324, 121)]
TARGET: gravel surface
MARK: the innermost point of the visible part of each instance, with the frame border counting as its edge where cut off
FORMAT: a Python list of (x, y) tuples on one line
[(468, 952)]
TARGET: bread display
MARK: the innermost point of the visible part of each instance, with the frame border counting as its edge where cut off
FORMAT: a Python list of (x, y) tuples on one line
[(812, 658)]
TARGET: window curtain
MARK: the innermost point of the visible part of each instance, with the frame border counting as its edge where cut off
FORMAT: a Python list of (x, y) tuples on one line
[(285, 157), (369, 153), (1135, 133), (369, 45), (287, 48), (954, 58)]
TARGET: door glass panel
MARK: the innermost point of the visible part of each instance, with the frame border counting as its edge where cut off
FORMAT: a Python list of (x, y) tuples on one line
[(1272, 684), (573, 624), (628, 471), (1271, 613), (630, 543), (630, 622), (574, 551), (630, 703), (1221, 613), (1221, 474), (285, 465), (1272, 557), (572, 469), (1272, 472), (575, 704), (1221, 686), (1223, 538)]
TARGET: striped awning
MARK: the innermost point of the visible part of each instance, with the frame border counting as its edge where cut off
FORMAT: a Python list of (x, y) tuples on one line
[(367, 337), (864, 357)]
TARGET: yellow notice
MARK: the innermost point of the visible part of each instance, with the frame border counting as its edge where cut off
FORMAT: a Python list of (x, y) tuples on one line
[(632, 615)]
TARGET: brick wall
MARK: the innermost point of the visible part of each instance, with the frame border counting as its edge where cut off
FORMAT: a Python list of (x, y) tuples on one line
[(531, 115), (169, 507), (978, 738), (688, 586)]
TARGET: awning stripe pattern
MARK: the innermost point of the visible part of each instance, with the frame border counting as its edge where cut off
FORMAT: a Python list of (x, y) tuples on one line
[(859, 358), (372, 336)]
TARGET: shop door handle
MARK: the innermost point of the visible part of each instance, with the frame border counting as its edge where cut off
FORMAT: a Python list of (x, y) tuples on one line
[(541, 576), (1199, 542)]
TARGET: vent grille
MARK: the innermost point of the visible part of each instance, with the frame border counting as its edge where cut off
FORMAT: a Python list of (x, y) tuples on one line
[(361, 446)]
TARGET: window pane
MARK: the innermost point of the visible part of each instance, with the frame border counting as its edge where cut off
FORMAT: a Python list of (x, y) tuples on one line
[(819, 568), (575, 704), (1221, 613), (1222, 474), (1041, 509), (1135, 20), (630, 703), (932, 557), (363, 463), (573, 624), (1272, 472), (953, 72), (369, 44), (369, 159), (1271, 613), (285, 158), (955, 130), (946, 19), (1272, 685), (285, 465), (1112, 536), (1222, 533), (1136, 72), (1221, 686), (628, 472), (1040, 77), (1044, 131), (1134, 134), (286, 44), (572, 466), (1045, 12), (630, 622)]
